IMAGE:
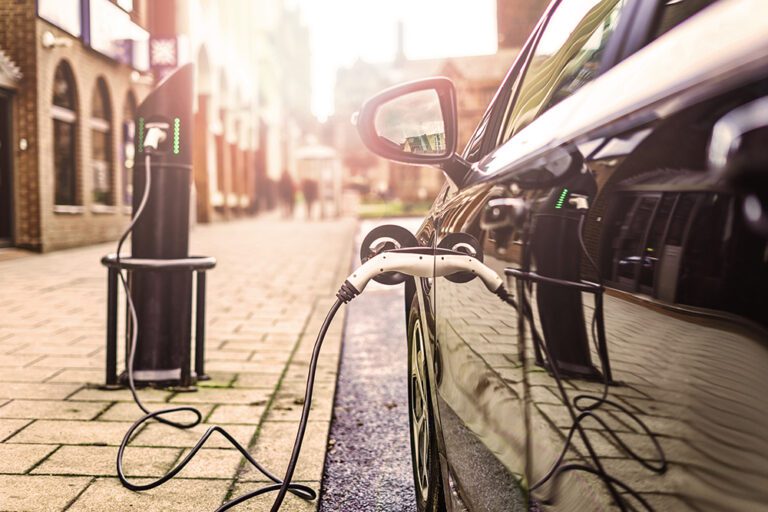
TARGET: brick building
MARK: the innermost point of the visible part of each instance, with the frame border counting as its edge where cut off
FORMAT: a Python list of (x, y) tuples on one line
[(72, 74), (66, 117), (515, 20), (252, 98)]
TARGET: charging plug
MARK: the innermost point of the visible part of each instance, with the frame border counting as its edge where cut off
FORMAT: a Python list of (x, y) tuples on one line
[(416, 262), (157, 133)]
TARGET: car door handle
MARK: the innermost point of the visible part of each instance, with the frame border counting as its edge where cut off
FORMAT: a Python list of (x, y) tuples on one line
[(729, 131)]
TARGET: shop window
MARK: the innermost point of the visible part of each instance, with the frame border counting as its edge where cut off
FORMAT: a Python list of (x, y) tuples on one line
[(64, 114), (702, 275), (128, 150), (687, 248), (654, 242), (678, 224), (101, 146), (672, 14), (628, 258)]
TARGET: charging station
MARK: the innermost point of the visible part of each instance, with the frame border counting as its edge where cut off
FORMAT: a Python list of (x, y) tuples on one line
[(159, 290), (160, 272)]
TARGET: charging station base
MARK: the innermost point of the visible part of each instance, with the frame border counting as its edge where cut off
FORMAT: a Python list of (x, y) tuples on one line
[(183, 378)]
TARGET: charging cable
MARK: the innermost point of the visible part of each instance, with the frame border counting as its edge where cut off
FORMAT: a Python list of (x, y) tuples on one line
[(419, 262), (302, 491)]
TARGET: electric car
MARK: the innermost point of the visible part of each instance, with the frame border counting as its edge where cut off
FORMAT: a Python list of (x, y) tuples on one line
[(618, 181)]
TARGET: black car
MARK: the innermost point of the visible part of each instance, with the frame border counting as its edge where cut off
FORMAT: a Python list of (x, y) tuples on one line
[(619, 181)]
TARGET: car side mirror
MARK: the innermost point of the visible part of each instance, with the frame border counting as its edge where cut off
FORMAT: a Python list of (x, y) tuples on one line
[(414, 123), (737, 156)]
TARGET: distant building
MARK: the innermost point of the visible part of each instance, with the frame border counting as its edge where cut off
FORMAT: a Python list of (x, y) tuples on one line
[(71, 75), (515, 20), (253, 99), (321, 164), (476, 79)]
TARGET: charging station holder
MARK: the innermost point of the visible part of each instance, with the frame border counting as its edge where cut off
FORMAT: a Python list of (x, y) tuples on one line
[(581, 286), (197, 265)]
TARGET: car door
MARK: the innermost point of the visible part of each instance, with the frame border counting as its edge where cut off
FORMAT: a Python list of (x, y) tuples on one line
[(683, 340), (684, 326), (480, 377)]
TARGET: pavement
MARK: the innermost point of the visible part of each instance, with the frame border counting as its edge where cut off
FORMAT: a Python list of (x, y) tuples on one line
[(368, 465), (59, 432)]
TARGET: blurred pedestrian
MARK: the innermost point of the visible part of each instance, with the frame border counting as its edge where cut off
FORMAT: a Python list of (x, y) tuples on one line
[(287, 192), (309, 189)]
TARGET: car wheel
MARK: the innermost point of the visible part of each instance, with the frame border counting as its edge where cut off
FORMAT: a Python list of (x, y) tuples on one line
[(424, 456)]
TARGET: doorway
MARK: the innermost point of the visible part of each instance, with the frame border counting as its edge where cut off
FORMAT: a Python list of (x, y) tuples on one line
[(6, 171)]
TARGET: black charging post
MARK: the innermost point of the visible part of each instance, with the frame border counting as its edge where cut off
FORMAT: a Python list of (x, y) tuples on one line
[(160, 270)]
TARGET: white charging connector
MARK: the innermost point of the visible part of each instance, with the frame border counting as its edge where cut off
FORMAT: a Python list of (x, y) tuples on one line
[(156, 133), (418, 264)]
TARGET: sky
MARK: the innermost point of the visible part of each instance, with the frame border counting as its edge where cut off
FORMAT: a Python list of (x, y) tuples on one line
[(342, 31)]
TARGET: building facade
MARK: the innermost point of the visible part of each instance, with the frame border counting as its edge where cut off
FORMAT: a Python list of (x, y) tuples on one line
[(515, 20), (72, 73), (252, 98), (68, 119)]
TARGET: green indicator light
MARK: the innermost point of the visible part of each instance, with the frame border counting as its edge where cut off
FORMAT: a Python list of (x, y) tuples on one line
[(561, 199), (176, 135), (140, 149)]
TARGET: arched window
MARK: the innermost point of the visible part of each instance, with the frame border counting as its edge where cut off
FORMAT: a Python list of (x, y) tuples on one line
[(101, 146), (128, 148), (64, 114)]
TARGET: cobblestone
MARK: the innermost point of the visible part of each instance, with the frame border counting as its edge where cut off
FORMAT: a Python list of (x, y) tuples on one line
[(59, 432)]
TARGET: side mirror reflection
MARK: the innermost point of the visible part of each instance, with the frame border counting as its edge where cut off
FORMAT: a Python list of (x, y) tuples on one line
[(413, 123)]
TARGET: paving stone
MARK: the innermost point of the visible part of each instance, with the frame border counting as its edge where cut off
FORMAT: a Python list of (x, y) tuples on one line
[(100, 461), (236, 414), (95, 377), (71, 350), (39, 493), (217, 379), (14, 360), (288, 406), (120, 395), (236, 366), (270, 450), (52, 409), (225, 396), (156, 434), (11, 427), (178, 495), (19, 458), (263, 503), (68, 362), (72, 432), (26, 374), (128, 411), (213, 463), (257, 380), (33, 390)]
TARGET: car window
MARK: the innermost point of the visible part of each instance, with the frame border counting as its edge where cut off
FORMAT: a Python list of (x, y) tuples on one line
[(674, 12), (566, 57)]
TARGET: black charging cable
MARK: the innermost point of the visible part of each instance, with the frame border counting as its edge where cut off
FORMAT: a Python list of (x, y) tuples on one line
[(585, 405), (283, 486)]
